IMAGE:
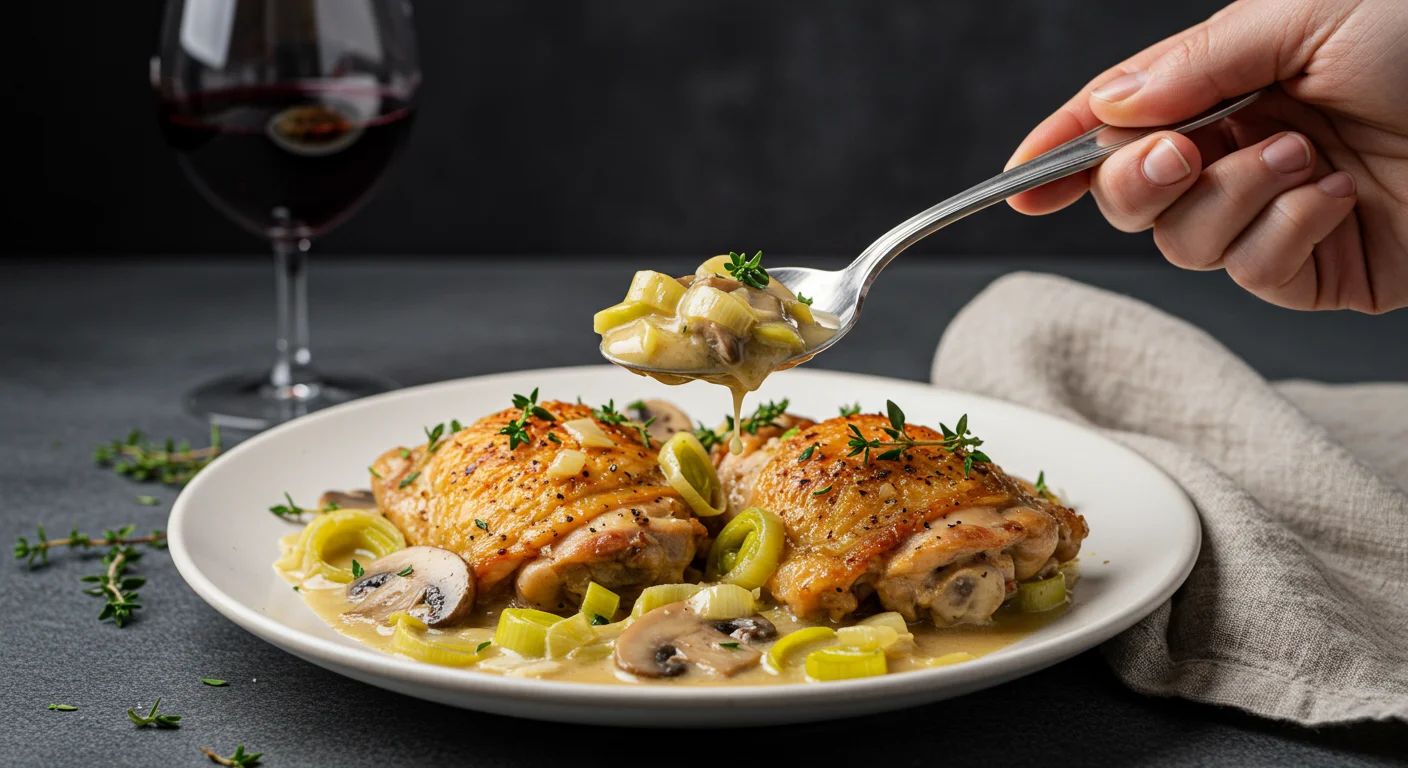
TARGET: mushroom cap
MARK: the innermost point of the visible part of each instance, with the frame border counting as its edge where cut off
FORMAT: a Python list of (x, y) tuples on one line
[(439, 589), (669, 419), (663, 641), (359, 498)]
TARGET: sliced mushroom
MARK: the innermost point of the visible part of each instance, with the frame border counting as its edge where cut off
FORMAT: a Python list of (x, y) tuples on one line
[(726, 346), (663, 642), (748, 628), (669, 419), (432, 584), (354, 499)]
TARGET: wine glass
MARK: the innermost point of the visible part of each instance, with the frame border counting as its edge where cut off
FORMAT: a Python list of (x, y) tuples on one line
[(285, 114)]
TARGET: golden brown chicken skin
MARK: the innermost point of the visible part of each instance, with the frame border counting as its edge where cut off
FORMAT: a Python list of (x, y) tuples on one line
[(913, 531), (617, 522)]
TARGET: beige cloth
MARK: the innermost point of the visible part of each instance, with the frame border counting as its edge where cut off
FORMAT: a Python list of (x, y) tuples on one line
[(1297, 608)]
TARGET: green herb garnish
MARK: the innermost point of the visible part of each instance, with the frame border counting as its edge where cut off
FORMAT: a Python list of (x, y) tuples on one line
[(112, 583), (213, 682), (407, 571), (237, 760), (790, 433), (850, 410), (375, 473), (707, 437), (748, 271), (553, 437), (405, 453), (956, 441), (807, 454), (62, 707), (411, 478), (170, 462), (1040, 485), (152, 718), (357, 569), (730, 646), (481, 524), (804, 299), (607, 414), (598, 620), (483, 645), (432, 437), (149, 501), (289, 509), (517, 430), (823, 490)]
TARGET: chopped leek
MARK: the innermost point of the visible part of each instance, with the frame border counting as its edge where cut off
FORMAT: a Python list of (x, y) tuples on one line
[(568, 635), (778, 334), (714, 267), (600, 601), (588, 433), (868, 637), (662, 594), (843, 663), (619, 314), (640, 340), (703, 303), (689, 470), (722, 601), (800, 312), (613, 630), (411, 639), (566, 463), (658, 291), (891, 619), (524, 631), (957, 657), (593, 652), (793, 642), (747, 550), (341, 532), (1038, 596)]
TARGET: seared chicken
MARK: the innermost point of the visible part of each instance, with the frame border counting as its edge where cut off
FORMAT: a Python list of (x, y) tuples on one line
[(616, 522), (913, 531)]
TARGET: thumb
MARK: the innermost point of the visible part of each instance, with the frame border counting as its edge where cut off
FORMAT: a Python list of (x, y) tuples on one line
[(1245, 47)]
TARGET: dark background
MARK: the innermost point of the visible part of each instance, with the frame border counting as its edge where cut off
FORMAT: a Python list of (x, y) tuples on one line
[(653, 126)]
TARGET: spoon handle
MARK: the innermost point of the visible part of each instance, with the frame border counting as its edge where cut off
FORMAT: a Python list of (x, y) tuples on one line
[(1085, 151)]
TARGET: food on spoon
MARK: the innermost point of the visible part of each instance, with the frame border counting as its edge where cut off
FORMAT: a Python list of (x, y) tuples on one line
[(530, 532), (926, 527)]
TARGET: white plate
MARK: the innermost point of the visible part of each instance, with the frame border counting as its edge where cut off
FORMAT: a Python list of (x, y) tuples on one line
[(1143, 541)]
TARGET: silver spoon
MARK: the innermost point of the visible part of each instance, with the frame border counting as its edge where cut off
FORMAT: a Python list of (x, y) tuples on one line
[(842, 292)]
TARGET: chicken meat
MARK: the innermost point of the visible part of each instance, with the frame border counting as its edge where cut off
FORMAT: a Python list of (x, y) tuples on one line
[(915, 532), (616, 521)]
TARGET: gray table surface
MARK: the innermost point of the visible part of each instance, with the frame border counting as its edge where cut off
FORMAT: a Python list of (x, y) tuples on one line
[(92, 348)]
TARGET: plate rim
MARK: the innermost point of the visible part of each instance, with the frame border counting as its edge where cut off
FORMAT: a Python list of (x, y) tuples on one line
[(993, 668)]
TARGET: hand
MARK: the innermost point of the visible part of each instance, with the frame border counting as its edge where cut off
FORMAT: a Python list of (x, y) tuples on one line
[(1303, 196)]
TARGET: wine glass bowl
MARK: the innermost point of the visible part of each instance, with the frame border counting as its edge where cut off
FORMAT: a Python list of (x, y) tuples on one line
[(285, 114)]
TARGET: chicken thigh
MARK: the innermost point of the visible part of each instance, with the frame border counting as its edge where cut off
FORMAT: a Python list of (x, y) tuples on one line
[(916, 532), (616, 521)]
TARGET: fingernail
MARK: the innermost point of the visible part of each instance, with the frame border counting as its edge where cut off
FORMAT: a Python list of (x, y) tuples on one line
[(1339, 184), (1288, 154), (1164, 165), (1121, 87)]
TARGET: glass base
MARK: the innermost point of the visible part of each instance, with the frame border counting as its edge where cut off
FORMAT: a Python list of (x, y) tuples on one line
[(250, 402)]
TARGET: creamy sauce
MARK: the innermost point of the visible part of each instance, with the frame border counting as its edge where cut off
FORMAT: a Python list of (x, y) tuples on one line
[(594, 663)]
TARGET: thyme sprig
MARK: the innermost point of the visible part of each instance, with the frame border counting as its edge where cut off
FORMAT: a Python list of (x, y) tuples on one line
[(607, 414), (748, 271), (152, 718), (113, 584), (708, 437), (850, 410), (170, 462), (764, 415), (293, 513), (517, 430), (238, 760), (959, 440)]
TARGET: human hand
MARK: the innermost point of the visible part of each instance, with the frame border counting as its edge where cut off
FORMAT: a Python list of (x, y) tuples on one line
[(1303, 196)]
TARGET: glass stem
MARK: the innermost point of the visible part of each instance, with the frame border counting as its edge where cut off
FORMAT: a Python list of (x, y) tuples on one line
[(292, 377)]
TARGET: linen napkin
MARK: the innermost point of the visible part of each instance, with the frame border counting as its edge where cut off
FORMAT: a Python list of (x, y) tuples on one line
[(1297, 608)]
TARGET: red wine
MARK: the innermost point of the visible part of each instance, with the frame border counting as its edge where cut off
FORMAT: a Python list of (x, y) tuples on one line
[(287, 161)]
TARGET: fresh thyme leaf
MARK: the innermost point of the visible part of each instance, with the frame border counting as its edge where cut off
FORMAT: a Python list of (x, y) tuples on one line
[(357, 569), (411, 478), (407, 571), (152, 718), (150, 501), (598, 620), (804, 299), (730, 646), (405, 454), (455, 426), (893, 453), (897, 416), (331, 506), (483, 645), (607, 414), (959, 442), (790, 433), (748, 271), (481, 524), (432, 437), (375, 473), (764, 415), (238, 760), (168, 462), (62, 707), (295, 588), (823, 490), (636, 405), (807, 454), (707, 437), (1040, 485), (289, 509), (553, 437), (850, 410), (517, 430), (213, 682)]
